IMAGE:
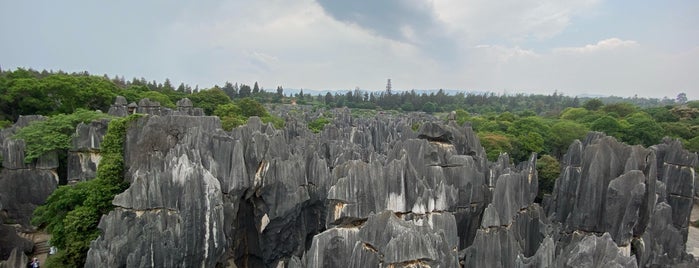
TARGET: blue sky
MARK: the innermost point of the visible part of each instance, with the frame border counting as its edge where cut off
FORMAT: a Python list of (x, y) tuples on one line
[(623, 48)]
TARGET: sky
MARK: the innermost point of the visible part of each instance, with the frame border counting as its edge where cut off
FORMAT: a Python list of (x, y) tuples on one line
[(574, 47)]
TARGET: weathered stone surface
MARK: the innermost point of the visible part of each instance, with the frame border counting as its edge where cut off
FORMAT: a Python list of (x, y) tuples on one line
[(82, 166), (594, 251), (373, 193), (652, 194), (88, 137), (500, 246), (332, 248), (119, 108), (11, 242), (515, 190), (16, 259), (384, 239), (161, 219), (543, 257), (622, 209), (662, 243), (13, 154), (22, 190), (490, 217), (185, 107)]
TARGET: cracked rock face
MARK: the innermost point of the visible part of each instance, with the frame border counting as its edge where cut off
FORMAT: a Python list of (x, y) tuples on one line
[(23, 187), (374, 193), (640, 198)]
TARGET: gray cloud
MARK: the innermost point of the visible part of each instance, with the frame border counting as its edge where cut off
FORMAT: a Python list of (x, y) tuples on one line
[(390, 18), (530, 46)]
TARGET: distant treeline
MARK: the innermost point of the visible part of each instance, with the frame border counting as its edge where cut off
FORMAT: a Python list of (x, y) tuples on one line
[(633, 120)]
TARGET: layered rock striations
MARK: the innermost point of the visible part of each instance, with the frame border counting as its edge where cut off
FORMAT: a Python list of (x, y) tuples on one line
[(373, 192), (23, 187), (640, 197)]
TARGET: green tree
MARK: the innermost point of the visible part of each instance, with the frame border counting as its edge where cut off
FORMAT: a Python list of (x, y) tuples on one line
[(608, 125), (318, 124), (245, 91), (563, 133), (495, 144), (533, 134), (461, 116), (528, 143), (429, 107), (622, 109), (662, 114), (250, 107), (209, 99), (231, 116), (574, 114), (593, 104), (163, 99), (507, 116), (692, 144), (679, 130), (642, 130), (71, 213), (548, 170), (54, 133), (255, 89)]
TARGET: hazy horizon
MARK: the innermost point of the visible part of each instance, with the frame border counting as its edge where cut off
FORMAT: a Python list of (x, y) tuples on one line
[(594, 47)]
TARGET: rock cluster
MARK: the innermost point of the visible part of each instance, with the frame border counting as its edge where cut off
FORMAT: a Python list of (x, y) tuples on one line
[(373, 192), (23, 187), (84, 156), (147, 106)]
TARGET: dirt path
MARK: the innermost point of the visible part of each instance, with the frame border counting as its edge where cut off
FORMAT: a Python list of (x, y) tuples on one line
[(693, 237)]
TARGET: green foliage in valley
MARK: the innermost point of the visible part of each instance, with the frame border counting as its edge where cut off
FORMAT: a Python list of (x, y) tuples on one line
[(548, 170), (234, 114), (54, 133), (318, 124), (521, 134), (71, 213)]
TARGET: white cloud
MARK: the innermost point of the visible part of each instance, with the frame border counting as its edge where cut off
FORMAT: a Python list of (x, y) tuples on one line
[(509, 19), (603, 45), (298, 45), (458, 44)]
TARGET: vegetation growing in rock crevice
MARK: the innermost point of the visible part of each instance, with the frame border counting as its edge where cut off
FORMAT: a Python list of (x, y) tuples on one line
[(54, 133), (234, 114), (548, 169), (317, 125), (71, 213)]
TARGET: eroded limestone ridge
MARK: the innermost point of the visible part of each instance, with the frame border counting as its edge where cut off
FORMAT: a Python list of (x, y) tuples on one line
[(371, 192)]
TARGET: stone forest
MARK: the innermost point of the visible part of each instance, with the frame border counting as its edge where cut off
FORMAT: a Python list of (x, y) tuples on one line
[(390, 190)]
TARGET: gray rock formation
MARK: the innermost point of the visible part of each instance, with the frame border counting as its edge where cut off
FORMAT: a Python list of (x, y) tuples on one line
[(640, 197), (371, 192), (15, 259), (119, 108), (387, 240), (23, 187), (185, 107), (593, 251), (84, 157), (11, 242)]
